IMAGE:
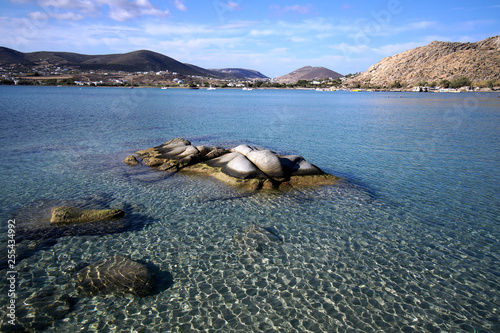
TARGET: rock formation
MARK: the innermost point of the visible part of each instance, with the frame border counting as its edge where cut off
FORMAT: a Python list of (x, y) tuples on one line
[(437, 61), (117, 275), (246, 166)]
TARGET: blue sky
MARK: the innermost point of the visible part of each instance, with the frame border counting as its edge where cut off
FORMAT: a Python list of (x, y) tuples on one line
[(274, 37)]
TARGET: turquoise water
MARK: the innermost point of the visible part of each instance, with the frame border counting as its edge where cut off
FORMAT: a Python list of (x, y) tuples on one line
[(410, 242)]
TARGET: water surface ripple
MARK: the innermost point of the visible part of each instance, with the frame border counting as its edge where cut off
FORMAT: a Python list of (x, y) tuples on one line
[(409, 242)]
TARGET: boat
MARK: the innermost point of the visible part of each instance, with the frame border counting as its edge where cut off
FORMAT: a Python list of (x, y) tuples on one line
[(211, 88), (164, 87), (246, 88)]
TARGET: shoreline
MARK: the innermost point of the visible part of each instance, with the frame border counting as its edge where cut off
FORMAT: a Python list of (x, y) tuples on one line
[(356, 90)]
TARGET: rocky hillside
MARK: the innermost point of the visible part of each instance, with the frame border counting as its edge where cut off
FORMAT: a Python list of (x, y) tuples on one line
[(308, 73), (479, 61)]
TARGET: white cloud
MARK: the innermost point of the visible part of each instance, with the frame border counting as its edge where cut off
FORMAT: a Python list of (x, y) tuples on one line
[(231, 5), (39, 16), (261, 33), (84, 5), (179, 4), (299, 9), (349, 50), (298, 39), (68, 16), (173, 30), (119, 10), (122, 10), (237, 25)]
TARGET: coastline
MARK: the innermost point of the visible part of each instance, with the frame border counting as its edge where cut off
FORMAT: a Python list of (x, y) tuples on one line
[(478, 90)]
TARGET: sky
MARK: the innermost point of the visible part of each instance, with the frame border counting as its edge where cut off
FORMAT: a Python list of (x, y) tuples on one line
[(274, 37)]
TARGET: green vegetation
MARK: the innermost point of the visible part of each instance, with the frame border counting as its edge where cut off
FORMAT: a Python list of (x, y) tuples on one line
[(461, 82), (444, 83), (396, 85), (6, 82)]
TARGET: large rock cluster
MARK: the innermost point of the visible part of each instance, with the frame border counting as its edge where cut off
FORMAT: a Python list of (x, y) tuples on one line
[(244, 165)]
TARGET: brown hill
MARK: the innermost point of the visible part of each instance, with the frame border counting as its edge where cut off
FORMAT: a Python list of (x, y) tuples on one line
[(479, 61), (137, 61), (308, 73)]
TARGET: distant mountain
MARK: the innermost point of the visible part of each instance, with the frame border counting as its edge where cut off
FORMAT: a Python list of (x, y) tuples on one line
[(137, 61), (241, 73), (436, 61), (308, 73), (13, 57)]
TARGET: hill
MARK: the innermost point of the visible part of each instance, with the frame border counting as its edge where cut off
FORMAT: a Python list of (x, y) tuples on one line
[(137, 61), (479, 61), (241, 73), (308, 73)]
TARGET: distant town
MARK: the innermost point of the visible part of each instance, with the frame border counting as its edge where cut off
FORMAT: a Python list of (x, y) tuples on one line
[(67, 76)]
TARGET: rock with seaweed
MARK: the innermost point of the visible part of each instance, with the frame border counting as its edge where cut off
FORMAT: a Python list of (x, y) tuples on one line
[(245, 166), (117, 275)]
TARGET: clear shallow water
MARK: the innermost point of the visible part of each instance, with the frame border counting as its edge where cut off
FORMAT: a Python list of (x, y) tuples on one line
[(409, 243)]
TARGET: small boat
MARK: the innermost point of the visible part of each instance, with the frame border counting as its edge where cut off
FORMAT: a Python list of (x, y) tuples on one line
[(164, 87), (211, 88), (246, 88)]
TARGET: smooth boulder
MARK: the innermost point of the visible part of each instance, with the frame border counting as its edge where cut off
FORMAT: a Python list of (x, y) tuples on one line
[(267, 162), (117, 275), (241, 167)]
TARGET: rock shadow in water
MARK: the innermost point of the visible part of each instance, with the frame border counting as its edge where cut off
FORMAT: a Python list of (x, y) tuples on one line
[(35, 231)]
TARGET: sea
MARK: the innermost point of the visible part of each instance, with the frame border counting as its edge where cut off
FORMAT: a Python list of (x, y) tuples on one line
[(408, 241)]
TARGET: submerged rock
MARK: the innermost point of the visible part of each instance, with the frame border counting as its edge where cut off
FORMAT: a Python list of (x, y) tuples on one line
[(244, 165), (40, 310), (117, 275), (77, 215), (256, 238), (50, 219)]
